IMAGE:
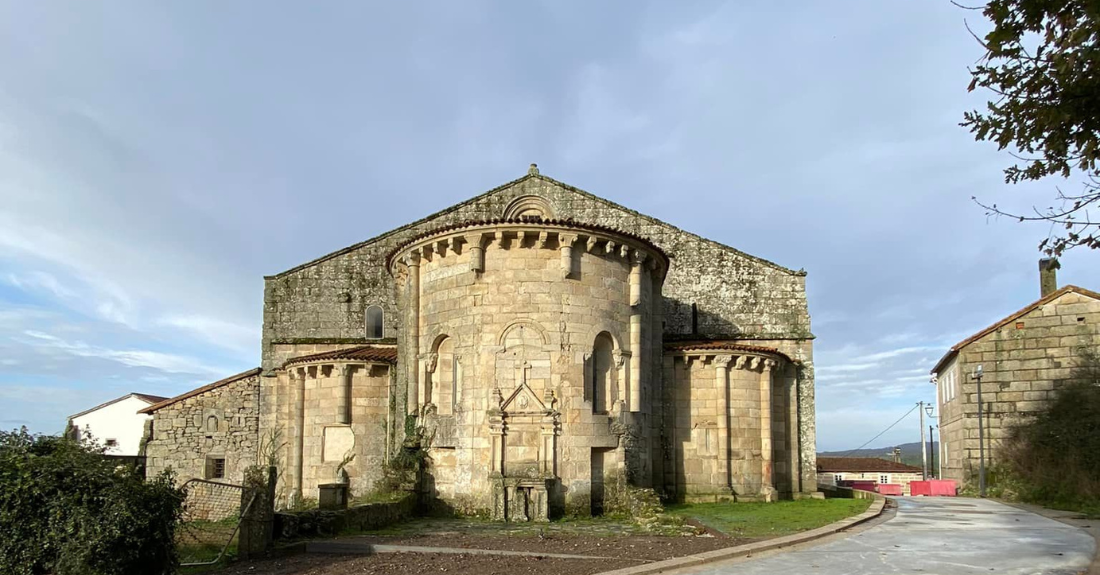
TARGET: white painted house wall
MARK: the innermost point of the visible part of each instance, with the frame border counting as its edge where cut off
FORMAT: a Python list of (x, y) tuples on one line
[(119, 421)]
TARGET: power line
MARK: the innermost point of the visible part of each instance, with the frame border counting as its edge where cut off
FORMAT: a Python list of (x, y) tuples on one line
[(883, 431)]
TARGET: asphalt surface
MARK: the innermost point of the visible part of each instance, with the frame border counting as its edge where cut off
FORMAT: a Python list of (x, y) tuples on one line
[(940, 535)]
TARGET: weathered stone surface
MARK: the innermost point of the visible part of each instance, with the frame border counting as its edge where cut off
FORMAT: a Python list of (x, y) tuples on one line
[(1022, 365)]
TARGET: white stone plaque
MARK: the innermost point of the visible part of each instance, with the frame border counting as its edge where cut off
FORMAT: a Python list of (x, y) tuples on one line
[(338, 442)]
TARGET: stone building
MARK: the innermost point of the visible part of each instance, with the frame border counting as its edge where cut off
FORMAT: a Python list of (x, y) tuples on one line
[(1024, 359), (542, 343)]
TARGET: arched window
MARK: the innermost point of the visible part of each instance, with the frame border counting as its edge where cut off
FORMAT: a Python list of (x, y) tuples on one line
[(374, 317), (445, 377), (602, 376), (211, 423)]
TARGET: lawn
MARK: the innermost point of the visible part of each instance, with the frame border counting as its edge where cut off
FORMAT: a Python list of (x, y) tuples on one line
[(770, 519)]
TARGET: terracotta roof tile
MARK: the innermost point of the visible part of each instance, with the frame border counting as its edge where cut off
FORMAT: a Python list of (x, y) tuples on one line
[(534, 220), (723, 345), (200, 390), (1026, 309), (361, 353), (862, 464)]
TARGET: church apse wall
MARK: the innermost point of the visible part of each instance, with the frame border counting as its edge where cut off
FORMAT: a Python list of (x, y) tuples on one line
[(529, 344)]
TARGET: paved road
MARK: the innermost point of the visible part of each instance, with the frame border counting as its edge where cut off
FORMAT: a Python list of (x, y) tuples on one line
[(946, 536)]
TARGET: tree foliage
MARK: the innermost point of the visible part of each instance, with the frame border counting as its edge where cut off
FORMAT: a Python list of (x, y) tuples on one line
[(66, 509), (1042, 63), (1055, 456)]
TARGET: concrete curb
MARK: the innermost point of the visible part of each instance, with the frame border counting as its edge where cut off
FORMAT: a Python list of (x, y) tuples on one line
[(872, 512), (349, 548)]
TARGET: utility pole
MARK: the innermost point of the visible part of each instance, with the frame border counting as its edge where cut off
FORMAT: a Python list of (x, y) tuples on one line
[(977, 376), (923, 453)]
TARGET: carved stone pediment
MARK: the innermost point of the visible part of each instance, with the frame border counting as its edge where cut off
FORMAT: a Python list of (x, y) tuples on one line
[(523, 400)]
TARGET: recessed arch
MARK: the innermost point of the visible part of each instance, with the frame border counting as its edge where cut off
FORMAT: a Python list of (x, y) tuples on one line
[(603, 373), (528, 327), (529, 206)]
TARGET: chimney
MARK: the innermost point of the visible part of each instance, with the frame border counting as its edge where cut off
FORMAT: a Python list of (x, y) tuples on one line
[(1048, 276)]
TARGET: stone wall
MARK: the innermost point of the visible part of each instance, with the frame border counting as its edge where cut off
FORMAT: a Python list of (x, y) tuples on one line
[(734, 294), (221, 423), (1023, 362)]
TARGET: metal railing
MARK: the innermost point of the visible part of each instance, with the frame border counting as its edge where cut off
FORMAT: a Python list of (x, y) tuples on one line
[(212, 513)]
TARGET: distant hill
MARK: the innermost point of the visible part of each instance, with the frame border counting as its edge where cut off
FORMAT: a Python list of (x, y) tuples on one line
[(910, 453)]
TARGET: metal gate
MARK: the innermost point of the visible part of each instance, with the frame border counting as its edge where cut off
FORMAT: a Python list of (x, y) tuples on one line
[(212, 513)]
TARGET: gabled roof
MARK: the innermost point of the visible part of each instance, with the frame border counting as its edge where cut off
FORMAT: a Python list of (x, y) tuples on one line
[(996, 326), (862, 464), (361, 353), (533, 175), (142, 396), (200, 390)]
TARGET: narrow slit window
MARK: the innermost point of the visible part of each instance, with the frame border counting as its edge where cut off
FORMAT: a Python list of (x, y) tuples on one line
[(374, 317)]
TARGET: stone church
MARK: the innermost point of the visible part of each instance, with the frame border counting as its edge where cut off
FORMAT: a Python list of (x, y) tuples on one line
[(541, 342)]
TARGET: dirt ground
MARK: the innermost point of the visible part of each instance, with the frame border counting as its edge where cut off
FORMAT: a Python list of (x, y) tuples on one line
[(616, 551)]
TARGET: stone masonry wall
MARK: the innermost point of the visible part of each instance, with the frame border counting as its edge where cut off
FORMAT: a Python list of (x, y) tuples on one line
[(734, 294), (220, 423), (1023, 363)]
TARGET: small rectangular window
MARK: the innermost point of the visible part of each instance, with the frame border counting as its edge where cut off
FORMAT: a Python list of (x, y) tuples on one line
[(884, 479), (838, 478), (215, 468), (1019, 325), (112, 443), (1080, 319)]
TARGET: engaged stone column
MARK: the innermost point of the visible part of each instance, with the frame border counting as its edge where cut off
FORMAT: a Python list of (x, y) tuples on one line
[(565, 246), (722, 379), (477, 252), (634, 397), (297, 384), (413, 262), (343, 397), (767, 484)]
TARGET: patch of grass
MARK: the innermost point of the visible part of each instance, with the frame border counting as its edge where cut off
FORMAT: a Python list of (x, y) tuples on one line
[(770, 519)]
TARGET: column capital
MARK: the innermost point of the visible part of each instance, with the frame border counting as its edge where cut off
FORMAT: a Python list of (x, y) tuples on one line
[(413, 258), (722, 361), (637, 257), (567, 240), (769, 364)]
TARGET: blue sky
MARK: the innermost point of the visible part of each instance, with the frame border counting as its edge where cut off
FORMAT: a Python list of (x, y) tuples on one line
[(157, 159)]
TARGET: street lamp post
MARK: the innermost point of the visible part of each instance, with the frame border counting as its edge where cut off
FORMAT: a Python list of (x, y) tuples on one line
[(929, 409), (977, 376), (923, 454)]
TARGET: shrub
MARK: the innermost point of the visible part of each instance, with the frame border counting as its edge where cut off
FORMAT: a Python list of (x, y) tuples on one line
[(66, 509), (1054, 457)]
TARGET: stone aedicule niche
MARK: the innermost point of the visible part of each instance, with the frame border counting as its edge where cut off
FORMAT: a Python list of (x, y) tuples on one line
[(526, 339)]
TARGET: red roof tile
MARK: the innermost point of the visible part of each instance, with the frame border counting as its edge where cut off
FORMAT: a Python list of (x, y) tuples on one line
[(361, 353), (723, 345), (862, 464)]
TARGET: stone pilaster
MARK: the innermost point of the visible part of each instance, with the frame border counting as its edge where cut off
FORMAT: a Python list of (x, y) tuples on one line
[(722, 377), (767, 481), (413, 263)]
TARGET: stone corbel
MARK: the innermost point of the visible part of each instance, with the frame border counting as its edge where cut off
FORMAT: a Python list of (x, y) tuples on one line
[(544, 237), (740, 363), (610, 247), (427, 251), (441, 246), (498, 239), (591, 244)]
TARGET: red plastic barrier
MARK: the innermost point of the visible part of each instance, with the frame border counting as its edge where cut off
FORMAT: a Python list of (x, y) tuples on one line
[(861, 485), (933, 487), (889, 489)]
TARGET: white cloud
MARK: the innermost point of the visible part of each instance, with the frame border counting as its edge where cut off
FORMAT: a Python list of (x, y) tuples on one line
[(165, 362), (219, 332), (36, 281)]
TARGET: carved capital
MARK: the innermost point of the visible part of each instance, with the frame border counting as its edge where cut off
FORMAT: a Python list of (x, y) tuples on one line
[(567, 240), (619, 356), (769, 364), (431, 361), (412, 258), (722, 361)]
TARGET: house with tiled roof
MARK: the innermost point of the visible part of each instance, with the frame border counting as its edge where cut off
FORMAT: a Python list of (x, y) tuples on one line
[(1024, 358), (537, 342), (837, 470), (117, 424)]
